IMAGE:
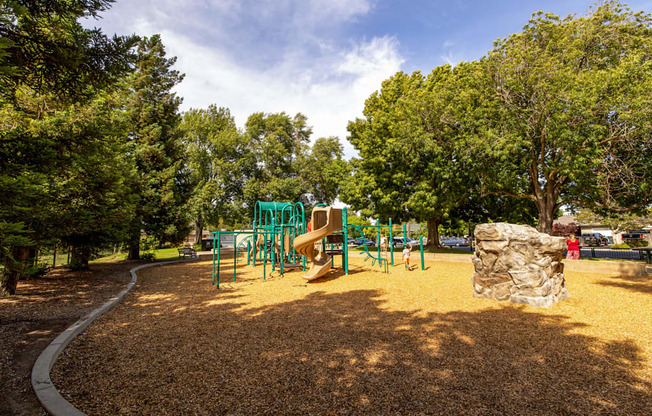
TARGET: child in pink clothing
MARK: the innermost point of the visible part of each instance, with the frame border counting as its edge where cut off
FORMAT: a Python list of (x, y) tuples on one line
[(573, 248)]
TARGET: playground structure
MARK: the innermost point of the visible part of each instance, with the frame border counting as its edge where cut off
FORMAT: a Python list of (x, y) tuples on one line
[(330, 227), (280, 236)]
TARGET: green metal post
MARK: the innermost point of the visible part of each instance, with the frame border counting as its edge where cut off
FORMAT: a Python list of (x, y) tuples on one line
[(391, 242), (253, 253), (265, 256), (290, 247), (305, 230), (213, 280), (218, 259), (404, 234), (345, 252), (378, 239), (421, 244), (282, 237), (248, 252), (273, 245), (235, 254)]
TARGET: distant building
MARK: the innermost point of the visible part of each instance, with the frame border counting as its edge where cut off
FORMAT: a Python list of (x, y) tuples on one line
[(190, 240), (592, 228)]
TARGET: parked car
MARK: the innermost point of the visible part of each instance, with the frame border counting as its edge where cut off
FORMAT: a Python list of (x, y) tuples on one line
[(398, 242), (366, 241), (351, 242), (634, 236), (413, 243), (455, 242), (589, 240), (602, 240)]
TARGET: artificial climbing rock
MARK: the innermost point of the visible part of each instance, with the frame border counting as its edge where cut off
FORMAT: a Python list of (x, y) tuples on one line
[(519, 264)]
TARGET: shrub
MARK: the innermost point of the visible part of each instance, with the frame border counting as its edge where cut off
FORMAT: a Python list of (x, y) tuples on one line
[(620, 246), (148, 256), (561, 230)]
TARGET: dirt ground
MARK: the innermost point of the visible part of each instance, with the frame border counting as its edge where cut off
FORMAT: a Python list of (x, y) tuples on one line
[(40, 311), (368, 343)]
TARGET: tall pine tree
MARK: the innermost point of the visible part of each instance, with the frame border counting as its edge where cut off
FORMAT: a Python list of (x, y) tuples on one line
[(155, 147), (51, 68)]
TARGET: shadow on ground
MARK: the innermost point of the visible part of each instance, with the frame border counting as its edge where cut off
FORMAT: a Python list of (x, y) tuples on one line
[(41, 310), (194, 351), (640, 284)]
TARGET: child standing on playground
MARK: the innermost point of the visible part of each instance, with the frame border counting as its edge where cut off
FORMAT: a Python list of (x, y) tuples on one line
[(383, 245), (406, 256)]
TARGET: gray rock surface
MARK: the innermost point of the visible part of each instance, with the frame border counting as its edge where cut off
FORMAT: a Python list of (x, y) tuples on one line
[(518, 264)]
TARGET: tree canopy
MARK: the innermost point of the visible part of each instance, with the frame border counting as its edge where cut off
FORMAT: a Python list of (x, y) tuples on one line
[(558, 114), (154, 143), (570, 120), (57, 82), (414, 162)]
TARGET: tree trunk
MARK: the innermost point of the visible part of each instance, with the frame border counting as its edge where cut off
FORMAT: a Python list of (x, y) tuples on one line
[(433, 232), (9, 283), (199, 230), (546, 215), (80, 257), (13, 274), (134, 245)]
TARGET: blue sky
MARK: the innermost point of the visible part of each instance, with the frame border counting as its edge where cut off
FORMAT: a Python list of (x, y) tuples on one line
[(322, 58)]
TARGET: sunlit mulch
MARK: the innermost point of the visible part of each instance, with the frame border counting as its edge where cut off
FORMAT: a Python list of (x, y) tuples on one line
[(368, 343)]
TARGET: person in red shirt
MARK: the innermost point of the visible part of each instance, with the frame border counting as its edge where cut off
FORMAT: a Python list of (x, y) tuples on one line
[(309, 226), (573, 248)]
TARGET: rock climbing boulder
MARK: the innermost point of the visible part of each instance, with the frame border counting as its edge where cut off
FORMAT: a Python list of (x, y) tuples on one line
[(519, 264)]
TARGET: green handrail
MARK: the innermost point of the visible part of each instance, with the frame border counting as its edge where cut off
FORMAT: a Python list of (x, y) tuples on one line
[(381, 261)]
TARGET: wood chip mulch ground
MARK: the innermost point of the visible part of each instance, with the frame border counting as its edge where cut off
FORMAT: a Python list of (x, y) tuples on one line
[(412, 343), (41, 310)]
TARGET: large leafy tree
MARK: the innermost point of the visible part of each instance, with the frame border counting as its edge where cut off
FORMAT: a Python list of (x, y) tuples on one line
[(277, 142), (50, 71), (218, 161), (154, 143), (323, 170), (412, 162), (572, 113)]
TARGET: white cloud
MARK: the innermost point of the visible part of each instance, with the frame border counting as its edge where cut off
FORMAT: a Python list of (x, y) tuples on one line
[(268, 55), (232, 64), (330, 95)]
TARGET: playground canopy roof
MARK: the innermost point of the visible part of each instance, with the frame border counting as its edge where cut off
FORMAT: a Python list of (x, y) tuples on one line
[(273, 206)]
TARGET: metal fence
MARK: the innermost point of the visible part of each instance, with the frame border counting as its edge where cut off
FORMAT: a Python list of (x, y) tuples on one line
[(622, 254), (598, 253)]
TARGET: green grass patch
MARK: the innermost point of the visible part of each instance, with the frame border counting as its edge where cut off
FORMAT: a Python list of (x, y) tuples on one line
[(601, 259), (162, 254)]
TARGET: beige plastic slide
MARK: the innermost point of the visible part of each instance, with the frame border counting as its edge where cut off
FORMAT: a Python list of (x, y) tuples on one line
[(305, 243)]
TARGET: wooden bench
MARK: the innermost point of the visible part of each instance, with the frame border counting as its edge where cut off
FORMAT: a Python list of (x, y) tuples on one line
[(187, 252)]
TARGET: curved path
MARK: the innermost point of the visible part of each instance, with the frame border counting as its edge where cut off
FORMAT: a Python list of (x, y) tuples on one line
[(47, 394)]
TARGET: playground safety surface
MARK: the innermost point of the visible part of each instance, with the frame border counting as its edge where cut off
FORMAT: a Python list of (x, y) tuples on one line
[(408, 342)]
